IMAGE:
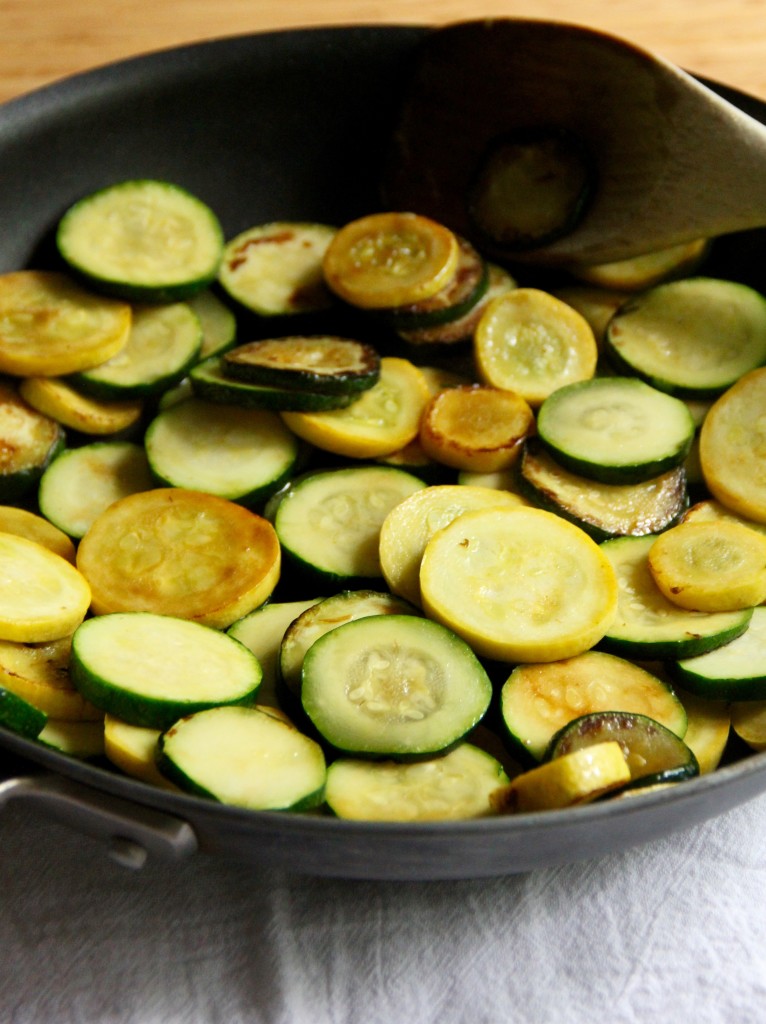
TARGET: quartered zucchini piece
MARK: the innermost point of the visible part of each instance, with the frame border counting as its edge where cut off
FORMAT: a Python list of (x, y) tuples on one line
[(29, 440), (647, 625), (306, 363), (50, 325), (734, 671), (145, 240), (245, 757), (54, 397), (20, 716), (163, 344), (603, 510), (475, 427), (82, 482), (532, 185), (150, 670), (555, 580), (615, 429), (275, 269), (538, 700), (386, 260), (654, 753), (397, 685), (210, 382), (695, 337), (453, 787), (245, 455), (532, 343)]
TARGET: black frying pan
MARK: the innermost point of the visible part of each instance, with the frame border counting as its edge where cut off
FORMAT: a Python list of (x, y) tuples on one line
[(282, 125)]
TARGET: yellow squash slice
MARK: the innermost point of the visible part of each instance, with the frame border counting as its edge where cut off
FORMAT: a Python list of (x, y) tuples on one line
[(519, 584), (60, 401), (43, 597), (381, 421), (49, 325), (131, 748), (178, 552), (748, 720), (647, 270), (40, 674), (34, 527)]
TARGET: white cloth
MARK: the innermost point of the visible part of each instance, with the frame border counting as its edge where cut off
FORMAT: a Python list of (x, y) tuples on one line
[(672, 931)]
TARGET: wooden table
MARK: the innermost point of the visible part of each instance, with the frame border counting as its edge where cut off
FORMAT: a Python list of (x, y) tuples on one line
[(43, 40)]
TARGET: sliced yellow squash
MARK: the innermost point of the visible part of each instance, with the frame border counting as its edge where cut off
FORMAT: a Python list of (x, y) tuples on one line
[(647, 270), (519, 584), (60, 401), (748, 720), (34, 527), (40, 674), (708, 728), (131, 748)]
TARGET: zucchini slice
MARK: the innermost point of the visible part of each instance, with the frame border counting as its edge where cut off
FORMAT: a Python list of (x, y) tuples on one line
[(150, 670), (77, 739), (178, 552), (518, 584), (453, 787), (475, 427), (380, 421), (50, 325), (325, 615), (245, 455), (329, 522), (20, 716), (275, 269), (647, 625), (615, 429), (245, 757), (44, 597), (695, 337), (532, 343), (315, 363), (576, 778), (218, 323), (29, 440), (654, 753), (410, 525), (163, 344), (82, 482), (734, 671), (144, 240), (210, 382), (538, 700), (603, 510), (386, 260), (40, 674), (397, 685), (54, 397)]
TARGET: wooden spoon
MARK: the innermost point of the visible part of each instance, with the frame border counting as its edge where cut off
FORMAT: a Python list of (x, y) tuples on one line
[(673, 160)]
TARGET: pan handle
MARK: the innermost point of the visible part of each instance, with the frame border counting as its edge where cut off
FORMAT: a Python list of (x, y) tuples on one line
[(132, 832)]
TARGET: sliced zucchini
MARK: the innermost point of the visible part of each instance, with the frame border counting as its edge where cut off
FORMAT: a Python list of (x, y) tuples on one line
[(615, 429), (410, 525), (475, 427), (710, 567), (40, 674), (178, 552), (328, 523), (532, 343), (54, 397), (275, 269), (34, 527), (49, 325), (649, 626), (569, 780), (20, 716), (603, 510), (453, 787), (538, 700), (397, 685), (145, 240), (218, 323), (77, 739), (532, 185), (694, 337), (733, 447), (645, 271), (150, 670), (382, 420), (386, 260), (735, 671), (163, 344), (29, 440), (210, 382), (43, 597), (81, 482), (245, 455), (245, 757), (306, 363), (518, 584), (654, 753), (325, 615)]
